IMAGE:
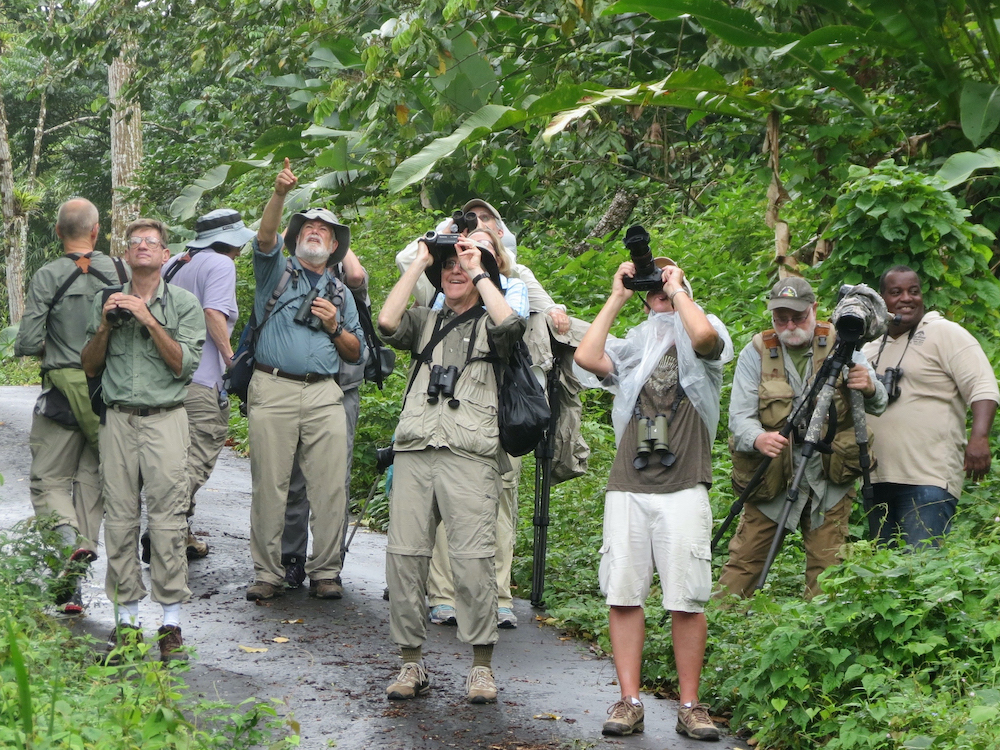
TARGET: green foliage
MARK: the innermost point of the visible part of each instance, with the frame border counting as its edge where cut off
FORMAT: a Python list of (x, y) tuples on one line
[(54, 695), (893, 215)]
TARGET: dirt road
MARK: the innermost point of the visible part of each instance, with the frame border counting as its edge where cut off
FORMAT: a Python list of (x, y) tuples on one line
[(331, 673)]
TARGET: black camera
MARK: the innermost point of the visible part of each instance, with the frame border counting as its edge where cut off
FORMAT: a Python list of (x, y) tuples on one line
[(648, 277), (304, 315), (890, 379), (442, 383), (116, 315)]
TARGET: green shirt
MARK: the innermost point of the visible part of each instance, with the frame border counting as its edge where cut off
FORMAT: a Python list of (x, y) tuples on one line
[(59, 336), (135, 374)]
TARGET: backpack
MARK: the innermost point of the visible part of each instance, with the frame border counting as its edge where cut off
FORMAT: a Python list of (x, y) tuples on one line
[(522, 409)]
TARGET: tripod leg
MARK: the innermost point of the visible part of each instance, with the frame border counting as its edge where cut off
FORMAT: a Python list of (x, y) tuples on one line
[(873, 514)]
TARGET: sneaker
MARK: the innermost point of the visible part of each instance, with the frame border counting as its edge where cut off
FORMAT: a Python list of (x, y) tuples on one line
[(506, 618), (443, 614), (171, 642), (480, 687), (695, 722), (195, 547), (625, 717), (123, 637), (411, 681), (75, 604), (295, 572), (67, 583), (326, 588), (144, 544), (261, 590)]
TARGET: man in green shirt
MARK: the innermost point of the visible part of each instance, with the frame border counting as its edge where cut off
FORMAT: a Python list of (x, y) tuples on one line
[(64, 465), (146, 340)]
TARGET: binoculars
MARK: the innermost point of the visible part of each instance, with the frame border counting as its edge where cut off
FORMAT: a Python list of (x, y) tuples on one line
[(116, 315), (890, 379), (653, 437), (442, 383), (304, 316)]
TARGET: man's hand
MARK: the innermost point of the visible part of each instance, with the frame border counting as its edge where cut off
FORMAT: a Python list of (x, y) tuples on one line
[(617, 286), (285, 180), (424, 259), (559, 319), (770, 444), (859, 379), (469, 257), (138, 308), (326, 311), (673, 280), (977, 458)]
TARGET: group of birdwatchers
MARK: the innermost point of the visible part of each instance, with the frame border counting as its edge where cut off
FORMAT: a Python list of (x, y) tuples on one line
[(133, 357)]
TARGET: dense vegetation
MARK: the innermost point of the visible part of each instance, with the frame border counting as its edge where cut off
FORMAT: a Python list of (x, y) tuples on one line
[(717, 125)]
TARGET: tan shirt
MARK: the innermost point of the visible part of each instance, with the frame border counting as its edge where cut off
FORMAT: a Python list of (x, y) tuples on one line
[(920, 438)]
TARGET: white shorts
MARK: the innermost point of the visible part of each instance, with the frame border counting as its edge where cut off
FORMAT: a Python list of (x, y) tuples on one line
[(672, 531)]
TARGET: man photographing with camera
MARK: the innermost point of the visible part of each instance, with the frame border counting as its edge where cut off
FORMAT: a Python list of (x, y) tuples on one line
[(934, 371), (666, 376), (772, 378)]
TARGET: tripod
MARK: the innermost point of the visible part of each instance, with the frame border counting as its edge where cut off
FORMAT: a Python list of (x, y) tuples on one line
[(823, 385)]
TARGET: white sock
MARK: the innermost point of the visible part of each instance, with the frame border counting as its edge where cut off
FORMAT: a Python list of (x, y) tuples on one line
[(172, 614), (128, 613), (635, 701)]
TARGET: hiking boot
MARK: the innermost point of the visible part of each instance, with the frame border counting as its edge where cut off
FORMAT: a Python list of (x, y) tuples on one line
[(480, 687), (506, 618), (171, 644), (261, 590), (295, 572), (411, 681), (625, 718), (195, 547), (443, 614), (124, 637), (695, 722), (67, 583), (326, 588), (144, 544)]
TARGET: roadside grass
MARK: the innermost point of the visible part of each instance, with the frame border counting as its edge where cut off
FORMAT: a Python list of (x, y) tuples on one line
[(55, 693)]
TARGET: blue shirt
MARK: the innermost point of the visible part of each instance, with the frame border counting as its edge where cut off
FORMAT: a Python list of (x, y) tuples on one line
[(283, 343)]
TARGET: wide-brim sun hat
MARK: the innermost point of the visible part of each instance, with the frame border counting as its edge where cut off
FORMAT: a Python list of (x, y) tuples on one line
[(441, 254), (341, 232), (223, 226), (663, 261)]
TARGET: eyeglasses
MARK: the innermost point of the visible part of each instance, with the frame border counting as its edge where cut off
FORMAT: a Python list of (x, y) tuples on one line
[(784, 320), (450, 265), (151, 242)]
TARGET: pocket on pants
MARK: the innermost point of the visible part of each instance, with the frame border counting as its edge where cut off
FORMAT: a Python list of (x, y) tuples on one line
[(699, 578)]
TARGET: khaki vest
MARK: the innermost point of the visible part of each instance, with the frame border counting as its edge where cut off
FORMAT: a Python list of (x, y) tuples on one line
[(775, 407)]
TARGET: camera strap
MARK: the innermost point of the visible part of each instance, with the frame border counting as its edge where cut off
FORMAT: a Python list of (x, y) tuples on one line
[(885, 338)]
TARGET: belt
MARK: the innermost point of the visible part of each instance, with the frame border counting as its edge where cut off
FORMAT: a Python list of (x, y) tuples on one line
[(148, 411), (309, 377)]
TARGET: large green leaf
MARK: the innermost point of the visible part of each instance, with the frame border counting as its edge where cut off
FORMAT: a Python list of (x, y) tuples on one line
[(185, 205), (959, 167), (491, 117), (980, 108)]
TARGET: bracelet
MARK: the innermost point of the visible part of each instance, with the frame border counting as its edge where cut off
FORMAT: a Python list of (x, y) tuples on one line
[(480, 277), (679, 291)]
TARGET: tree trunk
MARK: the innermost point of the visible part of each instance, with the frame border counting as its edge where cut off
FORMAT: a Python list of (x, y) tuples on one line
[(126, 151), (12, 250), (614, 219)]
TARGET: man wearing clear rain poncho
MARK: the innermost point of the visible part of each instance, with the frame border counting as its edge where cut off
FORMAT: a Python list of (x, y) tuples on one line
[(666, 375)]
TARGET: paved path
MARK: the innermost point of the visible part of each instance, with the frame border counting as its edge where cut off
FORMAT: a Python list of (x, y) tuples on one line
[(332, 672)]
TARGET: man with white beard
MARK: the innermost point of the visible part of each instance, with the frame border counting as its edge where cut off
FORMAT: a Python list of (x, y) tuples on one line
[(295, 404), (773, 375)]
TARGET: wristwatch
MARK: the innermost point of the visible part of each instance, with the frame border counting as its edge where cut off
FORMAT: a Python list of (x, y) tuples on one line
[(480, 277), (337, 332)]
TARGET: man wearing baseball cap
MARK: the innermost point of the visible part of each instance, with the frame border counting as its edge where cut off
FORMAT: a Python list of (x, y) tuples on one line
[(773, 375), (207, 270), (295, 403)]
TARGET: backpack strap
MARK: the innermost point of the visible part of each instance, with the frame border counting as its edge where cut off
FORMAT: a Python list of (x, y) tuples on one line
[(82, 261), (180, 263), (769, 346), (824, 338)]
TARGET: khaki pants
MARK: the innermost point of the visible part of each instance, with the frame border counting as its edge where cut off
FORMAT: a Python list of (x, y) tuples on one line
[(441, 585), (208, 426), (428, 487), (290, 421), (147, 453), (750, 544), (65, 478)]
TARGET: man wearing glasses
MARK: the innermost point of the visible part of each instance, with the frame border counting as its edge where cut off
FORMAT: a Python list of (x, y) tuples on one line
[(145, 342), (773, 375)]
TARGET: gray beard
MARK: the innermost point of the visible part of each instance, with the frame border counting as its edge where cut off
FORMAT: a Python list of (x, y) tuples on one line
[(314, 255), (797, 336)]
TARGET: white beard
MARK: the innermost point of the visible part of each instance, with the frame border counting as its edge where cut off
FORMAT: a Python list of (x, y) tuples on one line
[(313, 254), (797, 336)]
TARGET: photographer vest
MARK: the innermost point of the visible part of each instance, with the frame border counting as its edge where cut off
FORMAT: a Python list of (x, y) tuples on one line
[(840, 457)]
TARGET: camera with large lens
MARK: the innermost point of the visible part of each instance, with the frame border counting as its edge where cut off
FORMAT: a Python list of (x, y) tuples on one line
[(648, 277), (860, 315), (116, 315), (442, 383), (890, 379)]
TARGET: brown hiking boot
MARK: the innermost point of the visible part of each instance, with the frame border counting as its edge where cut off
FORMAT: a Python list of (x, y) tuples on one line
[(171, 643), (123, 639), (261, 590), (695, 722), (411, 681), (195, 547), (625, 717), (480, 687), (327, 588)]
